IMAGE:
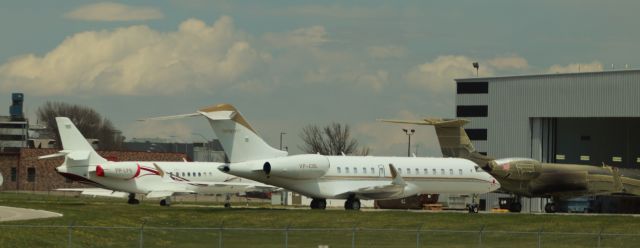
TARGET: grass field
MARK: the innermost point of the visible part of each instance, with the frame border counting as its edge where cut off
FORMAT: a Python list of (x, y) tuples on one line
[(185, 225)]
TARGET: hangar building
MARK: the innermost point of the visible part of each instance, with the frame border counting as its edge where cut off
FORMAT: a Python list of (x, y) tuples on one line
[(582, 118)]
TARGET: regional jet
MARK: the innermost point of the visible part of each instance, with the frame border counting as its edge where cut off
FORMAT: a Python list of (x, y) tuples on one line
[(155, 179), (322, 177)]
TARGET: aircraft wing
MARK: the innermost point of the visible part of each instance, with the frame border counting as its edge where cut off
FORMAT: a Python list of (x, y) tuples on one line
[(96, 192), (246, 186), (396, 187)]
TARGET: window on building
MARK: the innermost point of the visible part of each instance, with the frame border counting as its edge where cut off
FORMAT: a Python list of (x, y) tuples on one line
[(472, 111), (476, 133), (31, 174), (472, 88), (14, 174)]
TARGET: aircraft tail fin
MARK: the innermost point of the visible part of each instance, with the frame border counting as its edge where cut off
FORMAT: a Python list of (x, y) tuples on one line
[(76, 149), (239, 140), (454, 141)]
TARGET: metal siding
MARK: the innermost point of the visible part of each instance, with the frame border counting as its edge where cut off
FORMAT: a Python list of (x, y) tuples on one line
[(513, 100)]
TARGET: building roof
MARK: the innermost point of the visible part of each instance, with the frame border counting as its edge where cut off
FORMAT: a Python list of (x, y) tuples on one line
[(476, 79)]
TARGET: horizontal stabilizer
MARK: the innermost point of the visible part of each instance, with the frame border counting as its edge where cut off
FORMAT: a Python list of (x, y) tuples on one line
[(438, 122), (170, 117), (55, 155), (220, 115), (96, 192)]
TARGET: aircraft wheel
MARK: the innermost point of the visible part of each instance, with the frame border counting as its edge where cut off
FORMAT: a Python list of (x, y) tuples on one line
[(165, 203), (347, 204), (353, 204), (133, 201), (515, 207), (473, 208), (314, 204), (322, 204), (550, 208), (227, 205)]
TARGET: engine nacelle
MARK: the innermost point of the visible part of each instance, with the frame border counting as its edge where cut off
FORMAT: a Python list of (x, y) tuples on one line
[(119, 170), (305, 166), (515, 168)]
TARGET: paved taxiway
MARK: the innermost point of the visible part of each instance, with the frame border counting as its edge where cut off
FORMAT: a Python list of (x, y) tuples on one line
[(11, 213)]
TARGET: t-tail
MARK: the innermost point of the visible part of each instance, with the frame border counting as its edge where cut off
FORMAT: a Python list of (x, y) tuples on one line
[(239, 140), (453, 139), (75, 147)]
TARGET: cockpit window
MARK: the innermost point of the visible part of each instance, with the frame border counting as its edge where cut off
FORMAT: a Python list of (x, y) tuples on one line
[(478, 169)]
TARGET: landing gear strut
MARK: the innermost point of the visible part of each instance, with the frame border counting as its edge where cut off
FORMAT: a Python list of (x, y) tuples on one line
[(165, 202), (474, 207), (352, 203), (132, 199), (318, 203), (227, 201)]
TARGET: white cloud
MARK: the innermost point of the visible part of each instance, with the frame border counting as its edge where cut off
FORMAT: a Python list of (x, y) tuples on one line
[(576, 67), (138, 60), (383, 52), (303, 37), (375, 81), (339, 11), (509, 62), (107, 11), (439, 74)]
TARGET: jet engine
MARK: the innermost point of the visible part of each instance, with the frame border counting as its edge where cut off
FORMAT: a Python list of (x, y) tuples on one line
[(119, 170), (305, 166), (515, 168)]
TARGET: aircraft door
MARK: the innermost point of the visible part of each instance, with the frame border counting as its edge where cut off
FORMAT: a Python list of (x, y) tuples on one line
[(380, 170)]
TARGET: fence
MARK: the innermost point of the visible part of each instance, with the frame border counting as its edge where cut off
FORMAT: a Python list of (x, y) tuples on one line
[(147, 236)]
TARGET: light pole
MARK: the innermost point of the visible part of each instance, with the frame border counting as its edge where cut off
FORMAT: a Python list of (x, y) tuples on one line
[(281, 133), (409, 133)]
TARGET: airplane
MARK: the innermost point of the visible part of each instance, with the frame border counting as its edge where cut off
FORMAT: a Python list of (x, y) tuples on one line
[(528, 177), (155, 179), (322, 177)]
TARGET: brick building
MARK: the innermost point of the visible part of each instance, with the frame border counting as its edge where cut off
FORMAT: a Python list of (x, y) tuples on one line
[(24, 171)]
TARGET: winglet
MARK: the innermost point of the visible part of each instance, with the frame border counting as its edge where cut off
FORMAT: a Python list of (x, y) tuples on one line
[(159, 170), (395, 176)]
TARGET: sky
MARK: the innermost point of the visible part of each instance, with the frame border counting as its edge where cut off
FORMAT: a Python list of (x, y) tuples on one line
[(288, 64)]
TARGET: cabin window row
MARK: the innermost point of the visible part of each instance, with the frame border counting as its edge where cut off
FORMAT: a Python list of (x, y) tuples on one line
[(190, 174), (406, 171)]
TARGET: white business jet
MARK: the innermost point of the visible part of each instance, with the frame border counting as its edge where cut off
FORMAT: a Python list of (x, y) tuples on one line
[(155, 179), (337, 177)]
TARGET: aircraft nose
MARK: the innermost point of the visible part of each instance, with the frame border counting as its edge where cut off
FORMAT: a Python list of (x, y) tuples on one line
[(495, 185)]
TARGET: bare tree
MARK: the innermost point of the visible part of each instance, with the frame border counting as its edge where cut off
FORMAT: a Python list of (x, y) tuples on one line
[(333, 139), (89, 122)]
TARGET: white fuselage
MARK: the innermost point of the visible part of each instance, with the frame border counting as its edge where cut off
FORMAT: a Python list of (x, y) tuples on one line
[(310, 176), (179, 177)]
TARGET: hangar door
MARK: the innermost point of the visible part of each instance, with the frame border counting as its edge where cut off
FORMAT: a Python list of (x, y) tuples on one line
[(594, 141)]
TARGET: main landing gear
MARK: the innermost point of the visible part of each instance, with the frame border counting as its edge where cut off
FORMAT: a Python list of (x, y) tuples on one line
[(132, 199), (318, 203), (352, 203), (552, 207), (165, 202)]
